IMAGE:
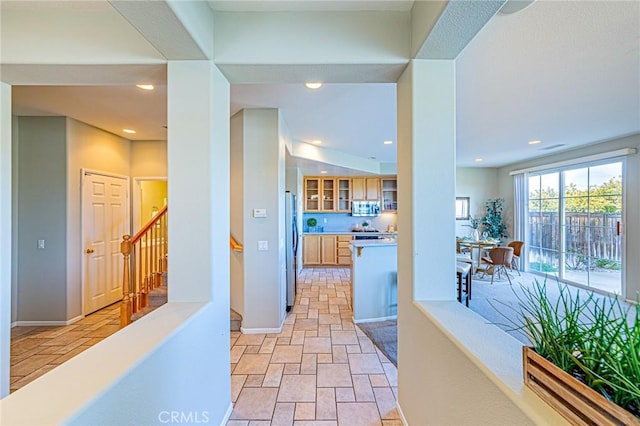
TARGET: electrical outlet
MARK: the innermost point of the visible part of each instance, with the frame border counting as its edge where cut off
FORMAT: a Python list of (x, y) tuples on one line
[(263, 245), (40, 244)]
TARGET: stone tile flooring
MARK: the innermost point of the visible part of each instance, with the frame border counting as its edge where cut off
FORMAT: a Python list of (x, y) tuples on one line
[(36, 350), (320, 370)]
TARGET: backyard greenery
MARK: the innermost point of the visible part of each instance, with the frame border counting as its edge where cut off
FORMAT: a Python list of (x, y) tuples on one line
[(596, 340), (603, 198)]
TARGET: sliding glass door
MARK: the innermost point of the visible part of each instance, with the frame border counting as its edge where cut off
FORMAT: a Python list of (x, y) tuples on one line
[(575, 218)]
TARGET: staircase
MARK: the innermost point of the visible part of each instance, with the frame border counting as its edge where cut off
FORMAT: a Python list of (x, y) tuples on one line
[(145, 283), (158, 297)]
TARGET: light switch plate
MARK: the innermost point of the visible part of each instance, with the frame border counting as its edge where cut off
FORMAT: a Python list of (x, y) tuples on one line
[(259, 212)]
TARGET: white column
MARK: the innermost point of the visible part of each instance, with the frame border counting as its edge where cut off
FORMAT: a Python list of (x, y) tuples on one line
[(5, 236), (198, 184), (426, 180), (426, 217)]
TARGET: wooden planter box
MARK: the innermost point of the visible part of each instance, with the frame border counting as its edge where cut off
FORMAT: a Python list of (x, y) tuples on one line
[(576, 401)]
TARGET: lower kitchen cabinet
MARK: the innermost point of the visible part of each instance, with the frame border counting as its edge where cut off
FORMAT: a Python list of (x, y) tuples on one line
[(311, 250), (344, 253), (320, 250)]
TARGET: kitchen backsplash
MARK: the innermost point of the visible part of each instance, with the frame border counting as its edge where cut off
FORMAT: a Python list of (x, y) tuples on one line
[(336, 222)]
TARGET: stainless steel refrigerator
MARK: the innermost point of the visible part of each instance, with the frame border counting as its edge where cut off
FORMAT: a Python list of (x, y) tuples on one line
[(291, 238)]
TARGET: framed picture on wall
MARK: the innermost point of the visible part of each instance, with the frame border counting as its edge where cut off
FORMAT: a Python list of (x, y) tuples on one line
[(462, 208)]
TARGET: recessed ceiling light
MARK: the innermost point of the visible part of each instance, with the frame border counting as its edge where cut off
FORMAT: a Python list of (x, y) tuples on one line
[(324, 172), (387, 142), (145, 86), (535, 142), (479, 160), (313, 85), (129, 131), (317, 142)]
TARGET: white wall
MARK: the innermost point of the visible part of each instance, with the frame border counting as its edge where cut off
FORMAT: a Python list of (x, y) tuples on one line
[(14, 218), (198, 153), (479, 184), (449, 371), (6, 228), (631, 268), (91, 148), (148, 159), (263, 187), (166, 361), (348, 37)]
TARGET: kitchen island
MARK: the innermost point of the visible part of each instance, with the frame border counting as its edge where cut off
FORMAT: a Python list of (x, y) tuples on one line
[(374, 289)]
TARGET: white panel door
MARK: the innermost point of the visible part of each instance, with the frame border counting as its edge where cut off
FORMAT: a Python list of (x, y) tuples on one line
[(105, 219)]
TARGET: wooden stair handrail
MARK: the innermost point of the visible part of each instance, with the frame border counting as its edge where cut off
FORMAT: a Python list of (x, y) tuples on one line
[(145, 259), (235, 246), (149, 224)]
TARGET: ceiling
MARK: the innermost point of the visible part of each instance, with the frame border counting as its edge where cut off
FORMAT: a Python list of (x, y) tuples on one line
[(567, 73)]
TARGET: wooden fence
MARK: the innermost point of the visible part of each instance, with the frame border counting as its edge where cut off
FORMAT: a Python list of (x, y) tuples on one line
[(587, 236)]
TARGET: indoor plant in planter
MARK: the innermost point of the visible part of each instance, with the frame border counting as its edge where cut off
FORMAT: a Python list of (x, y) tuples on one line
[(492, 221), (312, 222), (585, 355)]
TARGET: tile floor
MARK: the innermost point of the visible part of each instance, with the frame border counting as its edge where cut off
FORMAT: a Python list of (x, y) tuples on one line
[(36, 350), (320, 370)]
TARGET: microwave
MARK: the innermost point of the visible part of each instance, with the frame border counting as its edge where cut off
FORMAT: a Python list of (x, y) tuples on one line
[(365, 208)]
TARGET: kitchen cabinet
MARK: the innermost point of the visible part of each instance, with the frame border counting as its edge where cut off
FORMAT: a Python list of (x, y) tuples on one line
[(389, 190), (329, 251), (311, 252), (320, 250), (344, 195), (319, 194), (344, 253), (365, 188)]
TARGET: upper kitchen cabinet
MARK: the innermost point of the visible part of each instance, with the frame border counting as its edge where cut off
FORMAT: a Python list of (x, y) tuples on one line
[(389, 194), (312, 194), (367, 189), (319, 194), (344, 195)]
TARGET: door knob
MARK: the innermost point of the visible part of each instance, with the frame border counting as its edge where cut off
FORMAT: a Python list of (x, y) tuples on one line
[(90, 250)]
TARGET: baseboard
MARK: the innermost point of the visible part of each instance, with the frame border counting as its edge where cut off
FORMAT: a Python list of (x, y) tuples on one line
[(278, 330), (228, 414), (402, 418), (47, 323), (355, 321)]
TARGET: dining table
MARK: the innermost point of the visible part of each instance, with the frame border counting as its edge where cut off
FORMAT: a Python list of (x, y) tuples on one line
[(479, 245)]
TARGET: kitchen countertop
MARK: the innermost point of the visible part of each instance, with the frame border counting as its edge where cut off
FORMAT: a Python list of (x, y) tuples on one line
[(350, 233), (374, 243)]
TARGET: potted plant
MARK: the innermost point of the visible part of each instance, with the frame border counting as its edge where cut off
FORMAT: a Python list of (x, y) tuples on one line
[(312, 222), (492, 221), (584, 358), (474, 224)]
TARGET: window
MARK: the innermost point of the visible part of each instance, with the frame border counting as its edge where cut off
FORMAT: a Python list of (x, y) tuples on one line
[(574, 220), (462, 208)]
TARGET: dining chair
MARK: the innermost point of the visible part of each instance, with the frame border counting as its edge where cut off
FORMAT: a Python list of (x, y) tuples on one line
[(517, 249), (499, 260)]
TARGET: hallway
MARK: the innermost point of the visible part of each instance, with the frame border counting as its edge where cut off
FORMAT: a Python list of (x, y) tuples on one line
[(320, 370), (36, 350)]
